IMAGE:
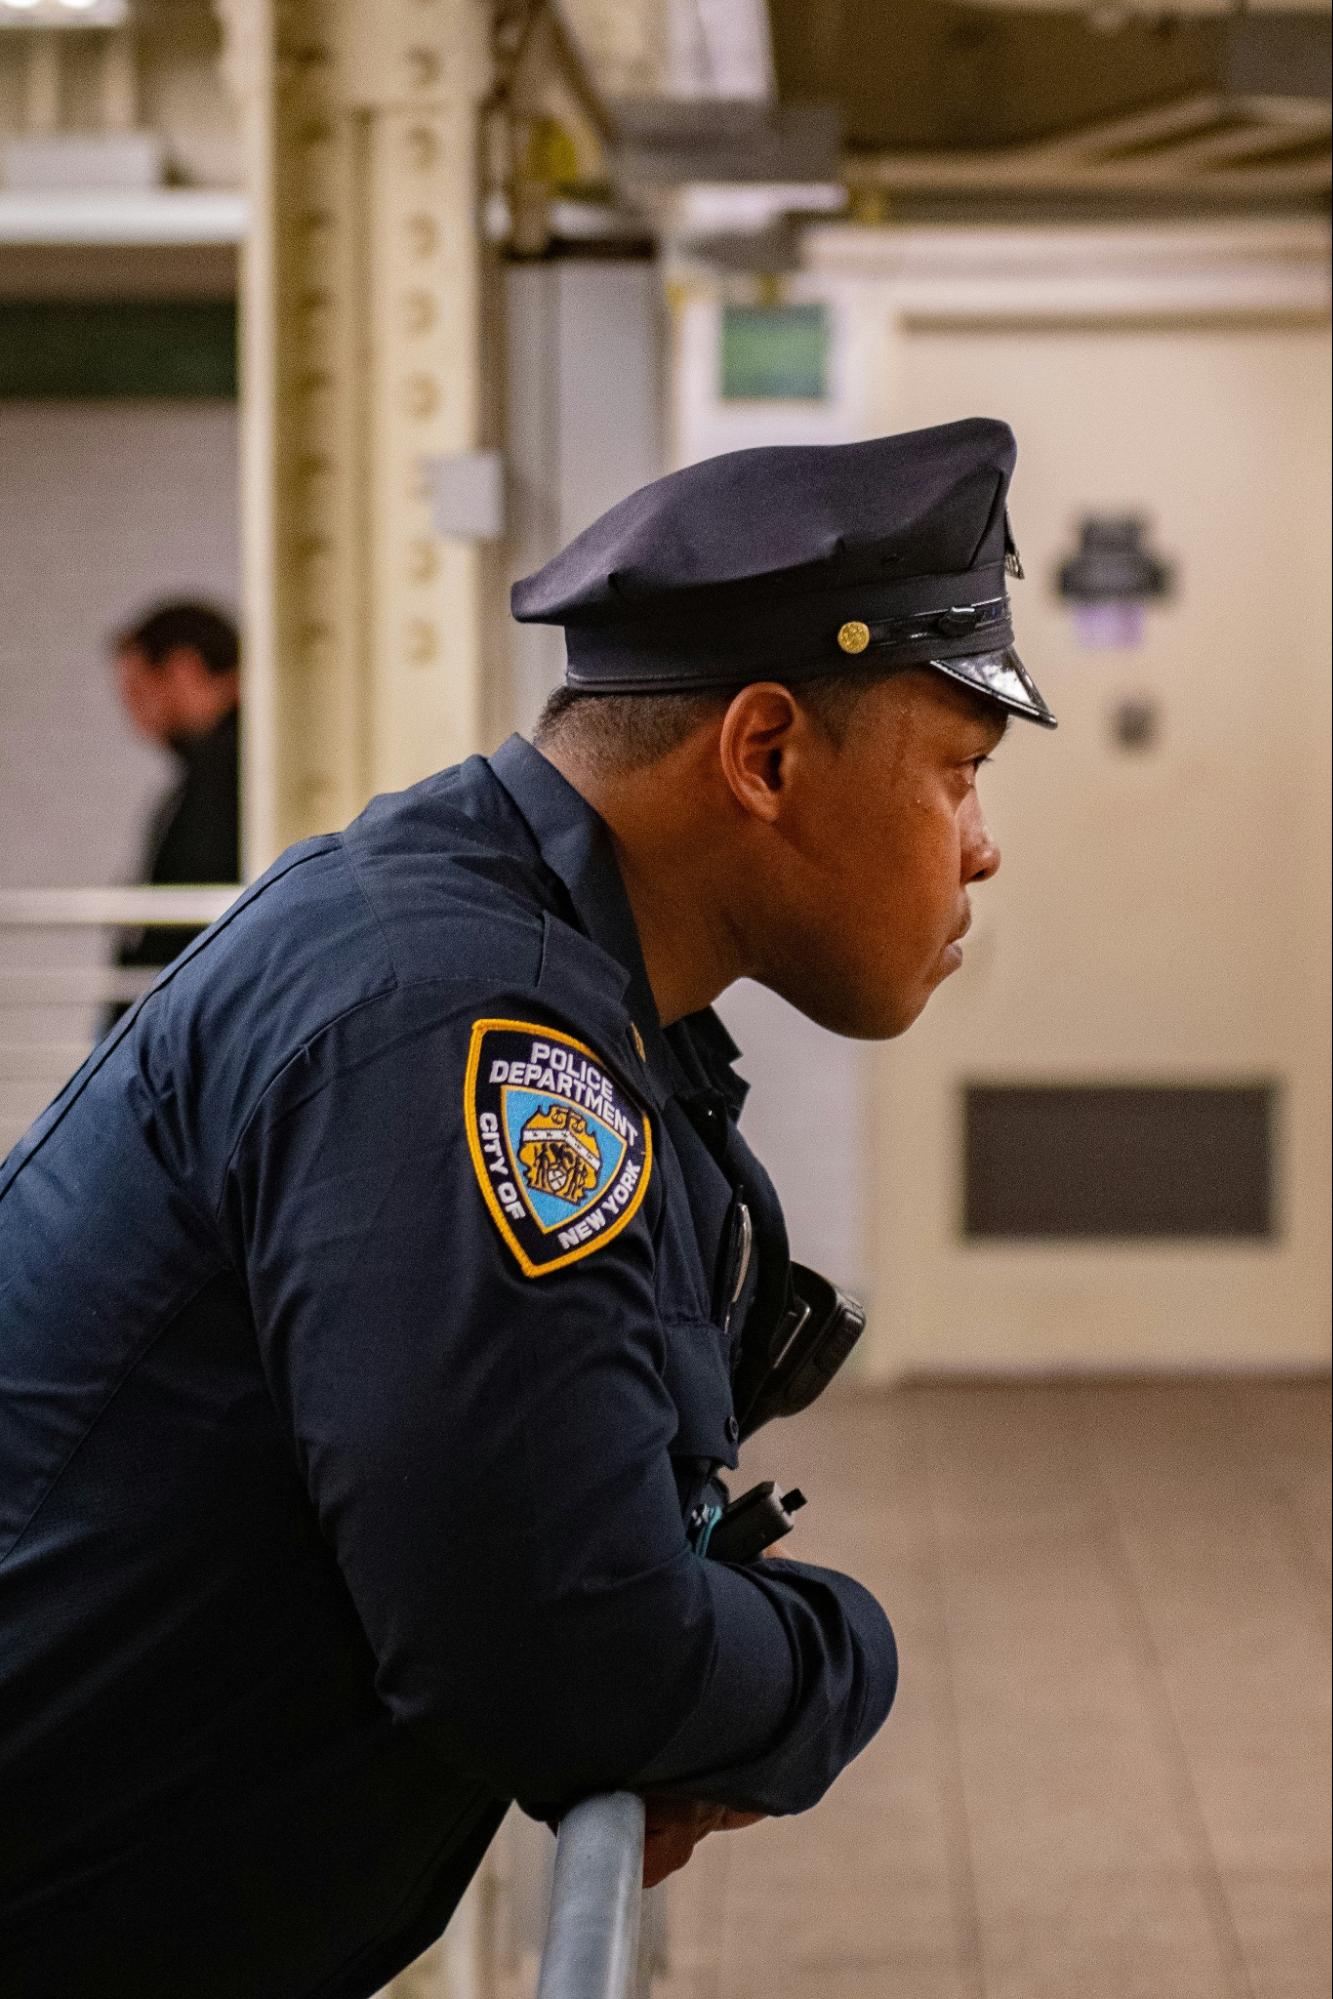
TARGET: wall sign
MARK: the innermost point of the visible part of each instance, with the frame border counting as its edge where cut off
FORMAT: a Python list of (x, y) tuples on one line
[(774, 353), (69, 348), (1111, 578)]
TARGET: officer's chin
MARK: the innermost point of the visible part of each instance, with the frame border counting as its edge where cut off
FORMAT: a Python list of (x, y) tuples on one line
[(884, 1015), (868, 1014), (856, 1005)]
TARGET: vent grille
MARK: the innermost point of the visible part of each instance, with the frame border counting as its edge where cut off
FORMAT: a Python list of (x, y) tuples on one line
[(1119, 1161)]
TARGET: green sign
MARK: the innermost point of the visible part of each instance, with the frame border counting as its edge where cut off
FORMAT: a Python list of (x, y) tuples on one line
[(774, 353), (68, 348)]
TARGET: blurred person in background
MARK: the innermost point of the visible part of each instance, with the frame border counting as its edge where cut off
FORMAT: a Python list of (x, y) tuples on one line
[(178, 672)]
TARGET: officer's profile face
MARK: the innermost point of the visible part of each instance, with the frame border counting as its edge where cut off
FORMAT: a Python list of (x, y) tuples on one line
[(868, 846)]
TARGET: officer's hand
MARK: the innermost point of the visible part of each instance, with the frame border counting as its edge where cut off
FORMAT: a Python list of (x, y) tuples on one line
[(673, 1830)]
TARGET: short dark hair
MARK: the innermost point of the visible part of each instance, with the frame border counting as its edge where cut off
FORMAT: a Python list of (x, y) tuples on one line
[(611, 733), (196, 627)]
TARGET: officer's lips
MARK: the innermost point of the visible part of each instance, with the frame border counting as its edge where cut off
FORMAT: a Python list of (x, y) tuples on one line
[(953, 950)]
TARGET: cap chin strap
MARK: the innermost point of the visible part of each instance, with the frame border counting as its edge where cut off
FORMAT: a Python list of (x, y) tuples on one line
[(987, 621)]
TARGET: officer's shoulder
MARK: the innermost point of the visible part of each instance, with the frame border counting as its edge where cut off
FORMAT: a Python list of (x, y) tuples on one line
[(460, 895), (420, 912), (414, 889)]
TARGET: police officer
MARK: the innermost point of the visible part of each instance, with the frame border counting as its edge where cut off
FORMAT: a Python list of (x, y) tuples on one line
[(372, 1299)]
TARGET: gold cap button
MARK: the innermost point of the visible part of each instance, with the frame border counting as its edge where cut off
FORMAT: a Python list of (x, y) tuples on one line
[(854, 636)]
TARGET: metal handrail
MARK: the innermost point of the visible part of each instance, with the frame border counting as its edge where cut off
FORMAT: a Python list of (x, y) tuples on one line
[(108, 908), (73, 985), (593, 1932), (39, 1002)]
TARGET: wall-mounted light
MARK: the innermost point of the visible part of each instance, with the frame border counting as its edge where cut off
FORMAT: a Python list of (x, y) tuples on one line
[(64, 13)]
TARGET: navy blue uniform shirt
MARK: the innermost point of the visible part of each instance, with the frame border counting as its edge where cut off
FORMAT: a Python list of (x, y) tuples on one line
[(365, 1347)]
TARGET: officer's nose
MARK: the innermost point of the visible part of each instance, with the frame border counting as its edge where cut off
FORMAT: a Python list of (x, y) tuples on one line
[(982, 857)]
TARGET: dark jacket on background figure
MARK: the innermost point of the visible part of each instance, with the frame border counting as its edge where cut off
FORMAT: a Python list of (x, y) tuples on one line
[(194, 837)]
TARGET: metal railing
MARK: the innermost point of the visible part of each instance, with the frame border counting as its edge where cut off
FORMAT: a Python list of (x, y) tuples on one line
[(109, 908), (52, 985), (603, 1934)]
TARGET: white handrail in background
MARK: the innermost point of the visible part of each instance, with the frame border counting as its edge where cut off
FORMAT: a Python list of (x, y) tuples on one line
[(42, 1040), (110, 908)]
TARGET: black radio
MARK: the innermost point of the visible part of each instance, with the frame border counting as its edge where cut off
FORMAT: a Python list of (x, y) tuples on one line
[(785, 1372)]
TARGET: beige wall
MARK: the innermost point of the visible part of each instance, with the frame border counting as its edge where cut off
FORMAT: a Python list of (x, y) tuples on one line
[(1160, 917)]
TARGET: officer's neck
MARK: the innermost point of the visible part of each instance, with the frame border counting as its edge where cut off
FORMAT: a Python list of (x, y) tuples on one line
[(676, 874)]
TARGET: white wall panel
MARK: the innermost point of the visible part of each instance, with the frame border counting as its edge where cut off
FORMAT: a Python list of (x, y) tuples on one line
[(585, 421), (105, 508)]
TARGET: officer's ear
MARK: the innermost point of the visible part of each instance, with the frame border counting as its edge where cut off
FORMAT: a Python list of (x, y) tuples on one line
[(763, 738)]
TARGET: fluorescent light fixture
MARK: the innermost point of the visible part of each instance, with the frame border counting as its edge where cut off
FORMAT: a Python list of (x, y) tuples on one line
[(64, 13)]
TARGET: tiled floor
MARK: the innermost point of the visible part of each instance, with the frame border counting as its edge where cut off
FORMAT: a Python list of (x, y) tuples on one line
[(1107, 1773)]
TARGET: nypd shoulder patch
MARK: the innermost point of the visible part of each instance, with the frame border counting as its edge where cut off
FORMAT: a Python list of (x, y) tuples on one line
[(562, 1154)]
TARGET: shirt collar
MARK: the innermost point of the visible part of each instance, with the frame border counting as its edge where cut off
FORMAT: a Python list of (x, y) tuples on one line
[(715, 1050), (575, 843)]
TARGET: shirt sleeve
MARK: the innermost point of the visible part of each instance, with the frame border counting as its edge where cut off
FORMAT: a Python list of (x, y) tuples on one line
[(488, 1452)]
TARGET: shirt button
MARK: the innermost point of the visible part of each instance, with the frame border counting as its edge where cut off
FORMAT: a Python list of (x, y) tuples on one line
[(733, 1428)]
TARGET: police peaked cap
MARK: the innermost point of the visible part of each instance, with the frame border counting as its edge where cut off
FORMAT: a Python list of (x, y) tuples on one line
[(791, 561)]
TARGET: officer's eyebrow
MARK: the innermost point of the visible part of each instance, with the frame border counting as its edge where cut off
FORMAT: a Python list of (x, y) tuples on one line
[(987, 715)]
